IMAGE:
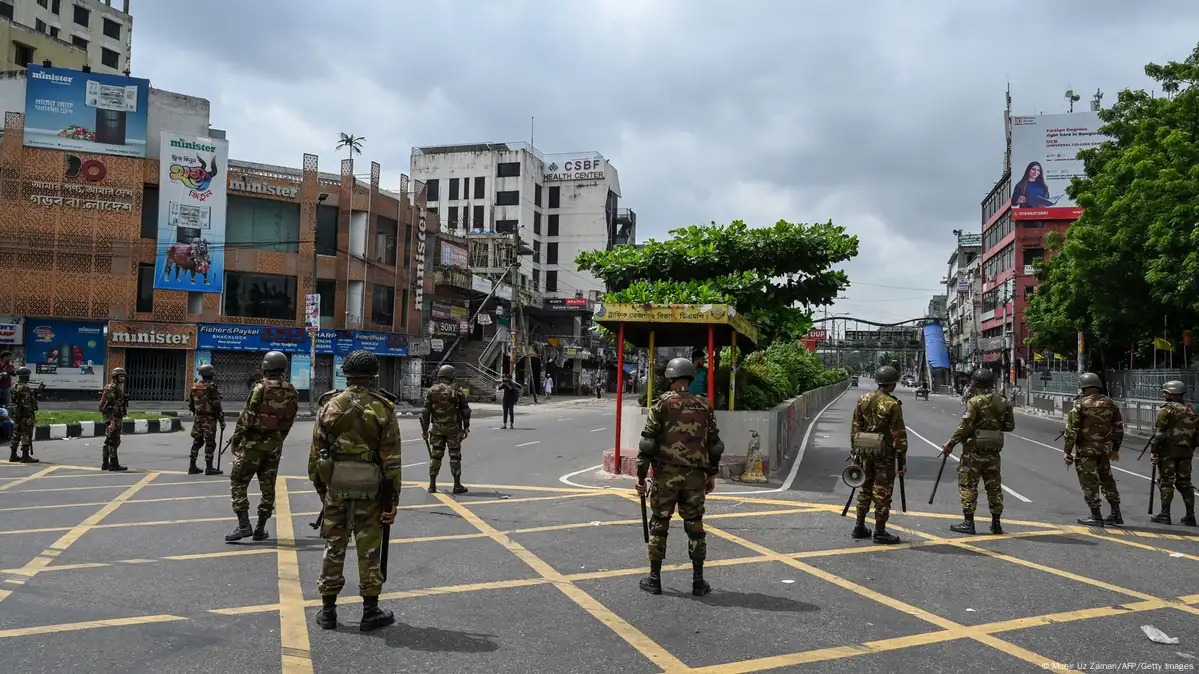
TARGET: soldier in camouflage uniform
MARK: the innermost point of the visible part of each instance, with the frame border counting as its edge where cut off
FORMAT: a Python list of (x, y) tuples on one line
[(355, 466), (114, 405), (880, 446), (205, 405), (1096, 428), (988, 416), (445, 423), (1175, 436), (680, 440), (257, 444), (24, 415)]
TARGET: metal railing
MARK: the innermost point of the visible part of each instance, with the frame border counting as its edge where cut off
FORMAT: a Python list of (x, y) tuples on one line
[(1138, 392)]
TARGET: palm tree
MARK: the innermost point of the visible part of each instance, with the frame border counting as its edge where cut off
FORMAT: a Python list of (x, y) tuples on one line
[(352, 143)]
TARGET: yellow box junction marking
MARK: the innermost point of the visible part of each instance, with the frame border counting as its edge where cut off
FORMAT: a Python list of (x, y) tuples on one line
[(293, 627), (22, 480)]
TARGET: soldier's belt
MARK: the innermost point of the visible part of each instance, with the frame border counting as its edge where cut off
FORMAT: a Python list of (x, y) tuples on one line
[(867, 442), (988, 439)]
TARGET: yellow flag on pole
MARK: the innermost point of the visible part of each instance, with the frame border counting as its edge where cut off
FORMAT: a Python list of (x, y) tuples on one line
[(1161, 344)]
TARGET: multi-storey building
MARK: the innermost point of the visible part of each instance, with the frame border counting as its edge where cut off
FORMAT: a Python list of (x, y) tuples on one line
[(70, 33), (962, 303)]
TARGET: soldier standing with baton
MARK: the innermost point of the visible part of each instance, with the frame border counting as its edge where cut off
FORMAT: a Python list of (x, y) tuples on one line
[(880, 446), (980, 432)]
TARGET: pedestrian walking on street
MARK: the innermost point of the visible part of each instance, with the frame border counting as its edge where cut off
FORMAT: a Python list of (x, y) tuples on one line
[(7, 370), (980, 432), (24, 416), (682, 444), (1175, 436), (1096, 429), (549, 386), (445, 423), (257, 445), (355, 466), (204, 401), (509, 393), (114, 405), (879, 442)]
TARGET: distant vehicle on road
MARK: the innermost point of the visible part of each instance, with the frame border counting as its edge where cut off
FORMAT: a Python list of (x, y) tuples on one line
[(907, 380), (853, 381)]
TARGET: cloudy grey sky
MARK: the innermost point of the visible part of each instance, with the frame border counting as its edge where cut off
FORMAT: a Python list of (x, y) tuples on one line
[(884, 117)]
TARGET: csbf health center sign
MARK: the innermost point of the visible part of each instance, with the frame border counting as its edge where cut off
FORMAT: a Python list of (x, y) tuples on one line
[(85, 112), (192, 200)]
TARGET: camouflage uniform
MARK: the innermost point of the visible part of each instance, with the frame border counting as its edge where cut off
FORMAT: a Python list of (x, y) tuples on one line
[(446, 418), (1096, 428), (114, 405), (1175, 435), (24, 415), (204, 402), (985, 411), (257, 444), (882, 413)]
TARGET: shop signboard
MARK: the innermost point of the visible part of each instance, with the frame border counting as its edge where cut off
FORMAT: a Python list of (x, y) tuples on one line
[(214, 337)]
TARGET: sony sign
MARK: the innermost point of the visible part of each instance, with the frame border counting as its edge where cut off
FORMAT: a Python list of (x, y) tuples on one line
[(260, 188), (149, 338), (421, 233)]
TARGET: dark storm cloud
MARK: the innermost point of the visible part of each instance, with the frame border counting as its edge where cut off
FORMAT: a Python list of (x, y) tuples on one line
[(884, 117)]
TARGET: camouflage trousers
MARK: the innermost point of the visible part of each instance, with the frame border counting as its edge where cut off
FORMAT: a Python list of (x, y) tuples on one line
[(112, 438), (974, 466), (880, 482), (204, 433), (362, 521), (248, 464), (682, 487), (22, 437), (1174, 473), (438, 444), (1095, 475)]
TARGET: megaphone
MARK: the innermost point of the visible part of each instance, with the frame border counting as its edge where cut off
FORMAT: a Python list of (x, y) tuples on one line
[(853, 476)]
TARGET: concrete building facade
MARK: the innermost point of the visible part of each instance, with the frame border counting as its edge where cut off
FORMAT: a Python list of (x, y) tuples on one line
[(962, 304), (70, 33)]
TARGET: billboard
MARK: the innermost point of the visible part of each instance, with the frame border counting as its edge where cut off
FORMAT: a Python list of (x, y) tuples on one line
[(576, 166), (191, 213), (65, 354), (1044, 159), (86, 112), (454, 256)]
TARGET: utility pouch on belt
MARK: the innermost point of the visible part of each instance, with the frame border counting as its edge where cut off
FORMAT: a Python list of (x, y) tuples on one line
[(868, 444), (355, 477), (988, 440)]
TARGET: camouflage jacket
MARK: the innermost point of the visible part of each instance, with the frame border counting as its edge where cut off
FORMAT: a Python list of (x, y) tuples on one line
[(1094, 426), (357, 424), (24, 406), (684, 426), (445, 411), (984, 412), (1176, 431), (114, 403), (881, 412), (267, 416), (205, 399)]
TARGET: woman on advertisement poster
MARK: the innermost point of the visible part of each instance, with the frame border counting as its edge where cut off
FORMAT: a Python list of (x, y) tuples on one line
[(1031, 191)]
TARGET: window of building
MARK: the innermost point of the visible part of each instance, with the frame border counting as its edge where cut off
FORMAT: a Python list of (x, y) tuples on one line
[(536, 252), (480, 187), (537, 195), (55, 6), (555, 197), (112, 29), (326, 230), (454, 189), (477, 218), (508, 169), (145, 288), (452, 216), (383, 299), (44, 3), (432, 189), (264, 224), (1033, 254), (149, 212), (260, 295), (536, 222), (551, 253), (23, 53), (54, 31), (385, 240), (110, 58), (327, 289), (506, 226), (79, 42), (83, 16), (509, 198), (536, 280), (1029, 291), (39, 26), (552, 226), (551, 281)]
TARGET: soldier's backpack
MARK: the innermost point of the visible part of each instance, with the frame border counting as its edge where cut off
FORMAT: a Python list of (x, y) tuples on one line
[(279, 406), (200, 399), (445, 403), (356, 470), (868, 444), (991, 439)]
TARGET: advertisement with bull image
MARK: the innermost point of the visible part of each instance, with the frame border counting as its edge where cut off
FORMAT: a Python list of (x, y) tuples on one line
[(192, 200)]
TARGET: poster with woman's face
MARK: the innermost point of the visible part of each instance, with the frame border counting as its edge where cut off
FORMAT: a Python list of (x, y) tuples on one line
[(1045, 159)]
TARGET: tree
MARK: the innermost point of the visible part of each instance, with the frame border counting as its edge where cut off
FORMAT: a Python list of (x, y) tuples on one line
[(1128, 268), (352, 143), (769, 273)]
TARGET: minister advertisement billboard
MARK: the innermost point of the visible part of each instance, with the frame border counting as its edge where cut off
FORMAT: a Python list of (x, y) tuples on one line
[(192, 200)]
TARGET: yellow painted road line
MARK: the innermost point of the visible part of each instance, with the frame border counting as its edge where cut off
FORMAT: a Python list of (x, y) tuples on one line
[(293, 626), (89, 625), (1173, 553), (631, 635), (514, 487), (22, 480), (55, 489)]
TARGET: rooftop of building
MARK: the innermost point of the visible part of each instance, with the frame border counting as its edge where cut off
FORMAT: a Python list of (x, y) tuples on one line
[(498, 147)]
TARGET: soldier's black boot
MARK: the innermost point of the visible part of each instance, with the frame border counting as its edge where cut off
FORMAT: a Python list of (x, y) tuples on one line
[(327, 616), (193, 469), (115, 465), (1189, 519), (209, 469), (458, 488), (966, 526), (243, 529), (27, 456), (432, 486), (1163, 515), (882, 536), (1115, 518), (104, 464), (12, 457), (860, 530), (996, 527), (1095, 520), (260, 533), (653, 582), (374, 617), (699, 586)]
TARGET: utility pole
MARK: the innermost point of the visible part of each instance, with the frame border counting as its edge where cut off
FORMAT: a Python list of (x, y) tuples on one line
[(516, 312)]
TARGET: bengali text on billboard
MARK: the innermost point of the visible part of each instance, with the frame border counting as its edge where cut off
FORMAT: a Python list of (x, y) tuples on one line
[(1044, 159), (85, 112), (191, 213)]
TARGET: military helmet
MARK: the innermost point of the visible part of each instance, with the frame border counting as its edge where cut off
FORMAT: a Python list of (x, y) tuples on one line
[(1175, 388), (360, 363), (983, 378), (207, 371), (1089, 380), (24, 372), (887, 375), (680, 368), (446, 372), (274, 361), (117, 372)]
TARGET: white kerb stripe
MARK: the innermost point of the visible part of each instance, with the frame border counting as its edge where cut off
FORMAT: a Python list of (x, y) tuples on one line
[(140, 426), (87, 429), (955, 458), (58, 431)]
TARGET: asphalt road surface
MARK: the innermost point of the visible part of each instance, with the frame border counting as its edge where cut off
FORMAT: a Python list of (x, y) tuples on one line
[(535, 569)]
